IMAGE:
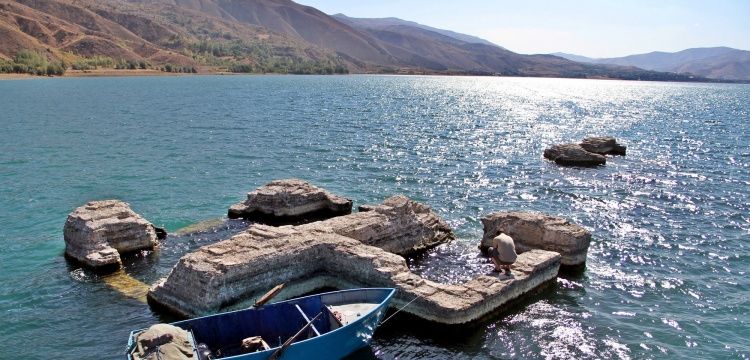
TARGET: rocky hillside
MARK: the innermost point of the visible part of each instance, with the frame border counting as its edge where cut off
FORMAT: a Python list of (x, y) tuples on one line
[(258, 36), (154, 33)]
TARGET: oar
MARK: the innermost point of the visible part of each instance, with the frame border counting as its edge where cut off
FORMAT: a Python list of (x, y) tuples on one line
[(268, 296), (277, 354)]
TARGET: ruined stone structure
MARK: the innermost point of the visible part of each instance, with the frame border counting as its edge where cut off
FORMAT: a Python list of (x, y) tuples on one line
[(349, 251), (537, 231), (98, 232), (289, 201)]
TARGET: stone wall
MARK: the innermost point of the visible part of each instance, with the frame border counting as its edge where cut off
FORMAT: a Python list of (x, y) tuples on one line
[(537, 231), (249, 264)]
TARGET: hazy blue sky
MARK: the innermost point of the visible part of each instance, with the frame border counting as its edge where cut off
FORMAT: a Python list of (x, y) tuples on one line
[(597, 28)]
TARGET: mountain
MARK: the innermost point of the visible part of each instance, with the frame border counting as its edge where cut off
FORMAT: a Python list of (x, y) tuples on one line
[(259, 36), (418, 46), (296, 21), (178, 33), (717, 62), (574, 57), (383, 23)]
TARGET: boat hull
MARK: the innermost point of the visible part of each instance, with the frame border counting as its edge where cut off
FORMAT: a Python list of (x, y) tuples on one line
[(331, 343)]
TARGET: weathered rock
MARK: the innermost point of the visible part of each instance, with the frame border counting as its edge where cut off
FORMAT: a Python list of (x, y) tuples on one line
[(290, 201), (399, 225), (335, 253), (603, 145), (573, 155), (537, 231), (98, 232)]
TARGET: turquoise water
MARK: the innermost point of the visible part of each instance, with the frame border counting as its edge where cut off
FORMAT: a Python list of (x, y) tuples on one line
[(667, 275)]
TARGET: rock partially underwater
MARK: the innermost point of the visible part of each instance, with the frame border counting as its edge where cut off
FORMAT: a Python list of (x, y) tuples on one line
[(355, 250), (590, 152), (603, 145), (573, 155), (537, 231), (97, 233), (289, 201)]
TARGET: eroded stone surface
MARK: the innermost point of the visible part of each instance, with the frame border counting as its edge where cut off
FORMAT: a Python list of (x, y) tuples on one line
[(98, 232), (603, 145), (537, 231), (573, 155), (289, 201), (399, 225), (339, 253)]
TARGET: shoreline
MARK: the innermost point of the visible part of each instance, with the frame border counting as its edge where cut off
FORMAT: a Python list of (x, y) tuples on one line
[(159, 73), (110, 73)]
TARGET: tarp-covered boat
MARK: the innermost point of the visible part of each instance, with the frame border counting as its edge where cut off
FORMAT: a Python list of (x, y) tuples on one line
[(324, 326)]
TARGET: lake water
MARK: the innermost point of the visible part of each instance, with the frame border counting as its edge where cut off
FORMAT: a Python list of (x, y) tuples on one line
[(667, 272)]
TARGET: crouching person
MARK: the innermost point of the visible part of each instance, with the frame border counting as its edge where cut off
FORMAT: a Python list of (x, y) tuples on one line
[(503, 253)]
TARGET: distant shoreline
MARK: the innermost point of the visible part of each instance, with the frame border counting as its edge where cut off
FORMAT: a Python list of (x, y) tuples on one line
[(155, 73), (109, 73)]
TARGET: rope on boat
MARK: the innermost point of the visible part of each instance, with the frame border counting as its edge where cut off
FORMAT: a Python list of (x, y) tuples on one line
[(399, 310)]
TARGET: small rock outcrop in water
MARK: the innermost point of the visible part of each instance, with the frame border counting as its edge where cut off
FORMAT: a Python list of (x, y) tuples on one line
[(290, 201), (603, 145), (573, 155), (537, 231), (98, 232), (348, 251)]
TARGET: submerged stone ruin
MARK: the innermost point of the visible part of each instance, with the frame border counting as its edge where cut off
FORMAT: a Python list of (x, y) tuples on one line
[(363, 249), (289, 201), (537, 231), (590, 152), (320, 255), (355, 250), (96, 234)]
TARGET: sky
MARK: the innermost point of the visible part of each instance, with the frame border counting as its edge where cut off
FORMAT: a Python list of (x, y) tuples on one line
[(603, 28)]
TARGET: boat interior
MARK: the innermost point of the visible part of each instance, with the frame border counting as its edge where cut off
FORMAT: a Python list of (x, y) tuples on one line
[(259, 329)]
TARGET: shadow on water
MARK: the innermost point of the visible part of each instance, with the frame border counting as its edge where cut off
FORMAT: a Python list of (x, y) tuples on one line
[(405, 329)]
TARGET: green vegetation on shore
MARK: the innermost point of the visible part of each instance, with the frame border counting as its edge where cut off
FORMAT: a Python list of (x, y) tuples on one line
[(178, 69), (235, 56), (34, 63), (106, 62), (240, 56)]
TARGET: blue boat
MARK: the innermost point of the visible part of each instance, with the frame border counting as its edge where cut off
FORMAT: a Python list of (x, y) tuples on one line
[(328, 326)]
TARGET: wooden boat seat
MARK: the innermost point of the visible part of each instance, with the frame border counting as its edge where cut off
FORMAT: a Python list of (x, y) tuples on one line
[(307, 320)]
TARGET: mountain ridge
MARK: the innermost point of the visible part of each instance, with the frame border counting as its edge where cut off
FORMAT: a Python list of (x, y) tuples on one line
[(263, 36), (720, 62), (391, 21)]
